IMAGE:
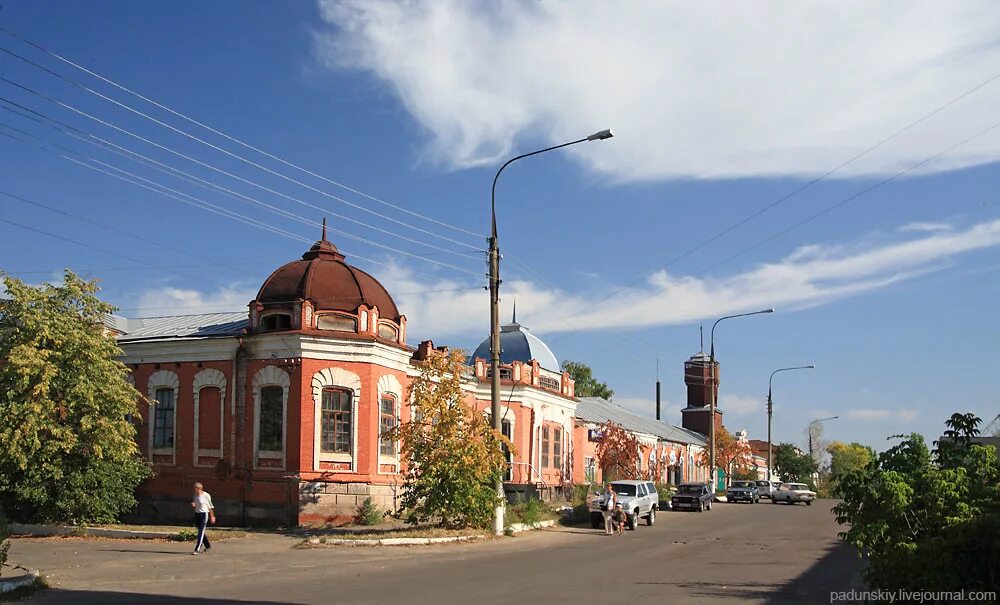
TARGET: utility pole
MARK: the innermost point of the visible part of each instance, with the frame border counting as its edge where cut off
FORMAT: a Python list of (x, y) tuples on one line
[(494, 261), (770, 409)]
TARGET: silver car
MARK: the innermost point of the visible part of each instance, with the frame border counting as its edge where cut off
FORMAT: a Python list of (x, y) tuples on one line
[(639, 499), (792, 493)]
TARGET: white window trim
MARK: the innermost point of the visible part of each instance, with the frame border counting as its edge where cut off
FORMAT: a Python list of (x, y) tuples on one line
[(209, 377), (162, 379), (270, 376), (388, 384), (335, 378)]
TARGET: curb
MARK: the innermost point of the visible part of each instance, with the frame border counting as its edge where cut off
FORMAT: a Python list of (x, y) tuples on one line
[(9, 584), (47, 531), (520, 527), (391, 541)]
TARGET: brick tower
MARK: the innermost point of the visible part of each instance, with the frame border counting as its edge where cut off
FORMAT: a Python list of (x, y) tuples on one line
[(698, 378)]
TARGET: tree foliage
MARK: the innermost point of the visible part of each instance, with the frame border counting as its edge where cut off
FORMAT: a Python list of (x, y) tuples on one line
[(846, 458), (4, 541), (618, 452), (733, 456), (585, 384), (927, 521), (67, 452), (454, 455), (792, 465)]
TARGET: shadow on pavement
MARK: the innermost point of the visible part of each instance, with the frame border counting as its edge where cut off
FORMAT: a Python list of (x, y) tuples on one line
[(837, 571), (56, 595)]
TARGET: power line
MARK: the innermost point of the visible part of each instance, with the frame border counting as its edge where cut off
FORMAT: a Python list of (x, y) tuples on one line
[(802, 188), (229, 153), (851, 198), (229, 137), (269, 207), (226, 173), (102, 250)]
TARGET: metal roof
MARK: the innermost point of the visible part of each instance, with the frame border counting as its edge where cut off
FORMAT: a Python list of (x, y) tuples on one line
[(207, 325), (517, 344), (597, 409)]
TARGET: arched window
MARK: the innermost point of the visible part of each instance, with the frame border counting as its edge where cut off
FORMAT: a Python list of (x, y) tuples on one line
[(163, 419), (271, 419), (387, 422), (336, 421), (276, 321), (337, 323), (387, 331)]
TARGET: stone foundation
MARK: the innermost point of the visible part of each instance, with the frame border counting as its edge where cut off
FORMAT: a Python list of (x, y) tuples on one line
[(322, 503)]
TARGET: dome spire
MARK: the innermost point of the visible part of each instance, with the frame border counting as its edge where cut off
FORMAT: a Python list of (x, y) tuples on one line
[(514, 318), (323, 239), (323, 248)]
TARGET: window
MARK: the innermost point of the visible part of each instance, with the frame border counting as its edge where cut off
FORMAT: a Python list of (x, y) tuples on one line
[(337, 323), (387, 422), (271, 419), (545, 447), (547, 382), (557, 449), (335, 422), (163, 419), (505, 373), (276, 321), (589, 469), (386, 331)]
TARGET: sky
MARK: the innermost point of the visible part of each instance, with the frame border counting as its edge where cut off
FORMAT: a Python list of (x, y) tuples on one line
[(836, 163)]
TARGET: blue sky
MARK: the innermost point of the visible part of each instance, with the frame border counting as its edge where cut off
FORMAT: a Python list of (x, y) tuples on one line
[(892, 294)]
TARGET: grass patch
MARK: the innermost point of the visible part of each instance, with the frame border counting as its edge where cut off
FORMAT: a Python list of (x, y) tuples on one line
[(25, 591), (530, 511), (189, 535)]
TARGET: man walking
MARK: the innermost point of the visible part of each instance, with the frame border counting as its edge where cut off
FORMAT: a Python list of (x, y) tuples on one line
[(204, 513)]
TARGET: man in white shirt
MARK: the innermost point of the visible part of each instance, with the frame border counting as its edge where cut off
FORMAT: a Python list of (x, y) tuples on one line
[(204, 513)]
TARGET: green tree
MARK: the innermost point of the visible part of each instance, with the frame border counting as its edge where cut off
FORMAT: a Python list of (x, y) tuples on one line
[(584, 382), (927, 520), (454, 455), (67, 451), (847, 458), (792, 465)]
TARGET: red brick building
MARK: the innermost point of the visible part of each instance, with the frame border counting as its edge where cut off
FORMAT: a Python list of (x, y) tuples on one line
[(280, 411)]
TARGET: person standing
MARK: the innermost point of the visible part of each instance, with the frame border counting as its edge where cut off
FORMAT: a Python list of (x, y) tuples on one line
[(204, 513), (608, 508)]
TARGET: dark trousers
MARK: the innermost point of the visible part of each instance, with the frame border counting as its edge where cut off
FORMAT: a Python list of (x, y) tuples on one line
[(201, 521)]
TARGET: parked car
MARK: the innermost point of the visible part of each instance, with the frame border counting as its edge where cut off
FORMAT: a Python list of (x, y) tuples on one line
[(639, 499), (743, 491), (792, 493), (692, 496), (765, 488)]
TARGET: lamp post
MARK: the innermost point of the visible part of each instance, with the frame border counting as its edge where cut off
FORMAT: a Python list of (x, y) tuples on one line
[(711, 419), (494, 258), (817, 421), (770, 409)]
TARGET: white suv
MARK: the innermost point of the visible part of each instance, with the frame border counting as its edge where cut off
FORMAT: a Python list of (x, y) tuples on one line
[(638, 499)]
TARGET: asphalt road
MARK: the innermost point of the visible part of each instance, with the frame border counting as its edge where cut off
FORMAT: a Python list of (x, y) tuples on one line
[(742, 553)]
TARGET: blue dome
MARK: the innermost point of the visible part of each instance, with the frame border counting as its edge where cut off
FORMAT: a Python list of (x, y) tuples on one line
[(517, 344)]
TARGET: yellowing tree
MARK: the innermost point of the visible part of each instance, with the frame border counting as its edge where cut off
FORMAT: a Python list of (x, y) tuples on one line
[(731, 455), (67, 452), (617, 452), (454, 457)]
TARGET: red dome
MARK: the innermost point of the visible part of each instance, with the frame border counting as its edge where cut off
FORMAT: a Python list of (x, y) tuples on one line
[(323, 277)]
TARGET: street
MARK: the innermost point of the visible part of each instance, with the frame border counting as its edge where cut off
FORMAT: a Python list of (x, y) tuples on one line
[(743, 553)]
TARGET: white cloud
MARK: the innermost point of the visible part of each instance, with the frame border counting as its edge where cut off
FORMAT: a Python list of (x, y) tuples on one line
[(919, 227), (810, 276), (740, 405), (733, 90), (178, 301), (881, 415)]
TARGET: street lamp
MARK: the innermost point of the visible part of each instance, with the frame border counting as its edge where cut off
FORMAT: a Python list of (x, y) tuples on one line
[(817, 421), (711, 419), (770, 409), (494, 256)]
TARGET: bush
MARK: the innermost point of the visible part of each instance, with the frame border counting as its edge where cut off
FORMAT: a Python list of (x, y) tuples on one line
[(184, 535), (368, 513), (4, 542), (528, 511)]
